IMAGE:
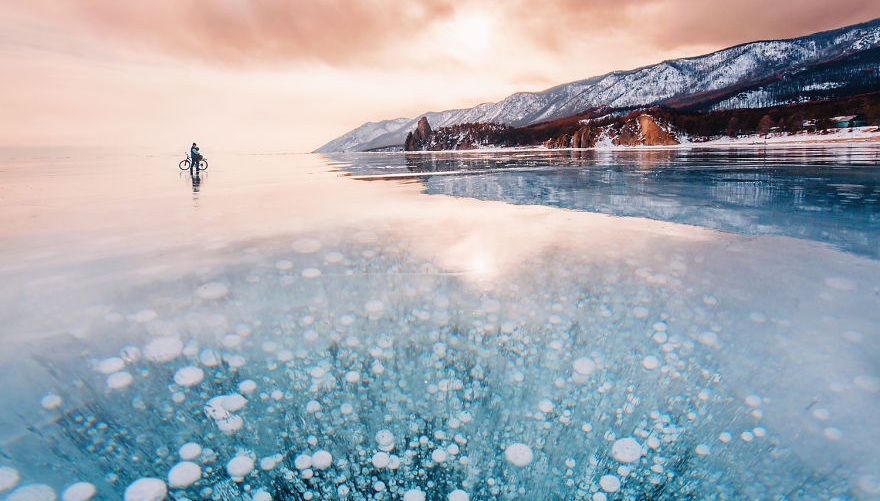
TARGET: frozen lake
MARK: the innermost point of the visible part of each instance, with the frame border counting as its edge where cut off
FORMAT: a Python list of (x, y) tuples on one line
[(659, 324)]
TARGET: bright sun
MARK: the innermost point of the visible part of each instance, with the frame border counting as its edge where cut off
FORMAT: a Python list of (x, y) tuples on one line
[(469, 35)]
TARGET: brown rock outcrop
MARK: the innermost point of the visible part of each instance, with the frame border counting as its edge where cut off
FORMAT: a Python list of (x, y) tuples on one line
[(420, 138)]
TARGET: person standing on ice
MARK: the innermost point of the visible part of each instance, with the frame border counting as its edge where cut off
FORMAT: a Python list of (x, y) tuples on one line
[(195, 156)]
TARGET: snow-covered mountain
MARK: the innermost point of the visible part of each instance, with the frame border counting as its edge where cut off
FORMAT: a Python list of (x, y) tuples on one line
[(747, 75)]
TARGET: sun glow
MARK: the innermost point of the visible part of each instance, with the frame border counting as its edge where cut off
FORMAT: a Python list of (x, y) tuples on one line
[(468, 36)]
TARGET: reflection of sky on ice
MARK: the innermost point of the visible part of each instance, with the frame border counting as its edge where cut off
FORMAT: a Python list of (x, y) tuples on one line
[(293, 335)]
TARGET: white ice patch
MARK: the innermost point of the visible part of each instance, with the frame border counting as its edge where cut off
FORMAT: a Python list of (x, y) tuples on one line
[(146, 489), (518, 454), (80, 491), (184, 474)]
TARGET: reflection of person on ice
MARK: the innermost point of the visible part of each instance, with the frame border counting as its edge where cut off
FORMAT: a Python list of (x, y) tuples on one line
[(195, 156)]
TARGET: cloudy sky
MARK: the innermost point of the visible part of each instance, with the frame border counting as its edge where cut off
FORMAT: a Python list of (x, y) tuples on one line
[(290, 75)]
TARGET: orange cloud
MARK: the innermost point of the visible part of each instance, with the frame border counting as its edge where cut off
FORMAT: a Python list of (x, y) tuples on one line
[(243, 32), (665, 24), (388, 32)]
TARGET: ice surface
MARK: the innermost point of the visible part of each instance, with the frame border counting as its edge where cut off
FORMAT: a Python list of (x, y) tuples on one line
[(460, 350)]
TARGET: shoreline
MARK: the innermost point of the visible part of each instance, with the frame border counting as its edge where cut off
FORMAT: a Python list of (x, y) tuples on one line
[(837, 137)]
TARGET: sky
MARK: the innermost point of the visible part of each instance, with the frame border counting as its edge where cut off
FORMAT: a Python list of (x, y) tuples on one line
[(269, 76)]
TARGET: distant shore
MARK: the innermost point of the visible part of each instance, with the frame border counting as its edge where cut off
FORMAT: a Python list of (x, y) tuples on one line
[(841, 137)]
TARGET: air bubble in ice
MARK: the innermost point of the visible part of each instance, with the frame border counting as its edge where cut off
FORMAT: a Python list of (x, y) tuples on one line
[(518, 454), (374, 306), (50, 401), (609, 483), (306, 245), (626, 450), (163, 349), (261, 495), (584, 366), (842, 284), (184, 474), (302, 462), (119, 380), (189, 376), (385, 439), (458, 495), (311, 273), (867, 383), (239, 467), (146, 489), (414, 495), (80, 491), (110, 365), (189, 451), (247, 386), (33, 492), (832, 433), (8, 478), (321, 460), (212, 290), (380, 459)]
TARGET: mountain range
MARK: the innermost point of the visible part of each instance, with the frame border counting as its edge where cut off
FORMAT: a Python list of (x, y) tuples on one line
[(833, 64)]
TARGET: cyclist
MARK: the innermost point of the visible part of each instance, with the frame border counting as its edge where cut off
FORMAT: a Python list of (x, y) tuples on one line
[(195, 155)]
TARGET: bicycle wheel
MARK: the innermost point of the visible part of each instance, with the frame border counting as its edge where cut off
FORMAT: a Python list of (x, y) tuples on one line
[(203, 164), (184, 164)]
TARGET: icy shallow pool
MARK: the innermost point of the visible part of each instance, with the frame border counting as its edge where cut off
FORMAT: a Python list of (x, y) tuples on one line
[(288, 333)]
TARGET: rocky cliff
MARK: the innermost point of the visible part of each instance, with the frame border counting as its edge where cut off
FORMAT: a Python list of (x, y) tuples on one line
[(635, 129), (420, 138)]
